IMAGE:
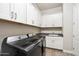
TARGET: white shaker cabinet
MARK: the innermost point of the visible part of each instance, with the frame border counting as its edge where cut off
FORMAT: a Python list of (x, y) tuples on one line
[(30, 14), (19, 12), (5, 11), (13, 12), (57, 20), (54, 42), (52, 20), (33, 15)]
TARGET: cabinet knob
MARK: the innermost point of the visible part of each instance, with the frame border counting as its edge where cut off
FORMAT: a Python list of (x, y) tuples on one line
[(32, 22), (53, 41), (73, 23), (15, 15), (73, 35), (53, 24), (73, 48), (12, 15)]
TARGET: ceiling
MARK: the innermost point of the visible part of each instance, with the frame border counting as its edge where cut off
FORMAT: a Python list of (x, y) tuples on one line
[(44, 6)]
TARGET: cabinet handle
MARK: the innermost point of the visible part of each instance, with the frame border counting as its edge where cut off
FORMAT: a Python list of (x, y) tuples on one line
[(15, 15), (12, 15), (73, 35), (73, 48), (53, 24), (32, 22)]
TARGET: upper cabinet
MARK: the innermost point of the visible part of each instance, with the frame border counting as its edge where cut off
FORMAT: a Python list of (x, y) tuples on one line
[(14, 12), (33, 14), (20, 12), (5, 11), (52, 17)]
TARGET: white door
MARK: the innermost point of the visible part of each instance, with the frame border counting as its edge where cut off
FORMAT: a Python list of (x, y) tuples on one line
[(20, 12), (76, 29), (5, 11)]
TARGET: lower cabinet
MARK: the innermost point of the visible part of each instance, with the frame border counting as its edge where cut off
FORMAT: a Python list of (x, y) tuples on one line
[(54, 42)]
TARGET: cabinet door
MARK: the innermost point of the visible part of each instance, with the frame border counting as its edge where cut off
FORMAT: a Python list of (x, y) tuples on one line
[(37, 16), (76, 29), (58, 44), (52, 20), (5, 11), (30, 13), (20, 12), (50, 42), (45, 21), (57, 20), (54, 42), (33, 15)]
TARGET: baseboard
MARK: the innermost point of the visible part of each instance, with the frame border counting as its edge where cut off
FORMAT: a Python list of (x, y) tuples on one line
[(67, 51), (54, 48)]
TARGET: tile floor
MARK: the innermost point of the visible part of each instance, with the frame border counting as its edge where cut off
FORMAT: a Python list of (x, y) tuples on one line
[(55, 52)]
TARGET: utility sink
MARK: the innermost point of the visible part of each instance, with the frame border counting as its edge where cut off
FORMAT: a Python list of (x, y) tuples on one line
[(27, 43)]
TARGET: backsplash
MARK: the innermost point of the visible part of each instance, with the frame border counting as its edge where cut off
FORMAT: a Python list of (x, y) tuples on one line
[(52, 30)]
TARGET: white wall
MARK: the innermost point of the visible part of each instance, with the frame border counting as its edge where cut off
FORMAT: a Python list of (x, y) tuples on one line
[(52, 30), (67, 26)]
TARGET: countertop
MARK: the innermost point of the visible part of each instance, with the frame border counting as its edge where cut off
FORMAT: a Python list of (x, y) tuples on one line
[(52, 34)]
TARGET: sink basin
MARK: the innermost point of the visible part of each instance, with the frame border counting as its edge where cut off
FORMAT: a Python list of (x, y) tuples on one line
[(28, 43), (33, 40)]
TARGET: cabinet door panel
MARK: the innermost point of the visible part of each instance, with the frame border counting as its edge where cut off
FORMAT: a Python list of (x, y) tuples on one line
[(5, 11), (20, 12), (58, 20), (54, 42), (49, 45), (59, 43), (52, 20), (49, 42), (33, 15), (30, 13)]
